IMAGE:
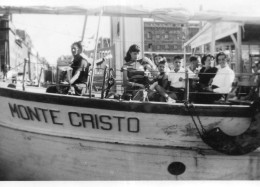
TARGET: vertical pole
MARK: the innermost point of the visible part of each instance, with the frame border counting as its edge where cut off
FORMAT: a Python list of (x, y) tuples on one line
[(186, 96), (29, 65), (24, 69), (104, 81), (239, 43), (212, 47), (95, 54), (84, 27), (39, 79)]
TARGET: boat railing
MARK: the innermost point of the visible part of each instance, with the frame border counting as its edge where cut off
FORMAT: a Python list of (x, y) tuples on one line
[(243, 85)]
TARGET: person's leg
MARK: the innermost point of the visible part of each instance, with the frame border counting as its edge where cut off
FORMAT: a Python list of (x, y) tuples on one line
[(79, 88)]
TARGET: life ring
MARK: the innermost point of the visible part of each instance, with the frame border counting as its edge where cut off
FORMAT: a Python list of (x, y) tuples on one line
[(236, 145)]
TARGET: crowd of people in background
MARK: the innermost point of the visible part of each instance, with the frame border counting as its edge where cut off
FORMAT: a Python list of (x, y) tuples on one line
[(208, 78)]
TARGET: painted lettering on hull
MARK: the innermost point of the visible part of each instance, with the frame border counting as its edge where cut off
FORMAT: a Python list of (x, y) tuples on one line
[(75, 119)]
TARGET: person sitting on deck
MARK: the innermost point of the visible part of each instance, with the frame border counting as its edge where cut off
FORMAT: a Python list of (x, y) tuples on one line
[(157, 58), (221, 83), (134, 69), (80, 67), (252, 85), (176, 78), (160, 85), (207, 73)]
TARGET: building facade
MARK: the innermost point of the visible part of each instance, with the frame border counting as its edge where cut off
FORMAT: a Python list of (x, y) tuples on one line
[(167, 38), (16, 46)]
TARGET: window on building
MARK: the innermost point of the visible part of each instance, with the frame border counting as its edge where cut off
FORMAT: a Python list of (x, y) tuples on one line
[(157, 36), (166, 46), (2, 47), (158, 47), (149, 35), (150, 46), (166, 36)]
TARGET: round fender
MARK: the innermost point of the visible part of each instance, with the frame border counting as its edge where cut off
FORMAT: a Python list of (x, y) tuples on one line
[(236, 145)]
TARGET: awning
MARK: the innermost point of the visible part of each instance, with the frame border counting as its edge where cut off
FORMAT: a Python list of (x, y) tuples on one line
[(219, 29), (172, 14)]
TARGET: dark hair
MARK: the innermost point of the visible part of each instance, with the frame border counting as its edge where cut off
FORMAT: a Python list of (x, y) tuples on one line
[(156, 55), (220, 54), (193, 58), (132, 48), (162, 62), (78, 44), (177, 57), (204, 58), (257, 63)]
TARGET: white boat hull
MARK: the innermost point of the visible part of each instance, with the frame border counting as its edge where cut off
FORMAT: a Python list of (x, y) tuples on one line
[(55, 140)]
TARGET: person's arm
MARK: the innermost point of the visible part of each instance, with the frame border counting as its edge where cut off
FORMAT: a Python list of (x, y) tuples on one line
[(75, 77), (126, 82), (147, 60), (80, 68), (165, 82), (154, 70), (100, 60)]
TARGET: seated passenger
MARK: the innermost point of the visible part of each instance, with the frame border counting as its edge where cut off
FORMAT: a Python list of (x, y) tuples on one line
[(193, 73), (134, 80), (194, 64), (253, 84), (222, 82), (80, 67), (160, 85), (207, 73), (176, 78), (157, 58)]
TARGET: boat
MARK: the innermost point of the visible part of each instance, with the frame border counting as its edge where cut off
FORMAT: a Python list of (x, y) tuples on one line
[(48, 136)]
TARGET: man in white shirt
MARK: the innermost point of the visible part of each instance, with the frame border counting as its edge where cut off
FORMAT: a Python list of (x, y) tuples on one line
[(176, 77), (177, 74), (222, 82)]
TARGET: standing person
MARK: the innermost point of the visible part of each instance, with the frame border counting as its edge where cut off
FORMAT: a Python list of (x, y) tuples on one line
[(134, 80)]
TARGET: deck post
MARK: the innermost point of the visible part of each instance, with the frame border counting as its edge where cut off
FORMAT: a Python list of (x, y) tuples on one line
[(239, 43), (186, 96), (84, 27), (213, 42), (24, 68), (95, 54)]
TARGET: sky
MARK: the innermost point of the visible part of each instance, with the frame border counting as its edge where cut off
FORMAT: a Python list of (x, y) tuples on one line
[(52, 35)]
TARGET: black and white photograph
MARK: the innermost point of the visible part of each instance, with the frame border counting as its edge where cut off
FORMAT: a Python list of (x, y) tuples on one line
[(130, 91)]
